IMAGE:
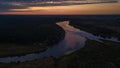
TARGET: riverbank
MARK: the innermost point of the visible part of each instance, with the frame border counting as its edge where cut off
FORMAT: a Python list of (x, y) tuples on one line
[(99, 27), (46, 35), (93, 55)]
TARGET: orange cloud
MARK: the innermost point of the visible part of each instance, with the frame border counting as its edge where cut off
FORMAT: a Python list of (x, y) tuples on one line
[(109, 8)]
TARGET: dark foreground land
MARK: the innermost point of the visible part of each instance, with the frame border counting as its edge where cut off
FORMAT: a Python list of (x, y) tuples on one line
[(95, 54), (20, 35)]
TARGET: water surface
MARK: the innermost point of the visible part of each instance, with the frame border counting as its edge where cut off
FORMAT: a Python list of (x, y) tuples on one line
[(74, 40)]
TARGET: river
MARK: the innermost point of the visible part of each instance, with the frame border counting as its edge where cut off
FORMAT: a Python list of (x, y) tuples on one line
[(74, 40)]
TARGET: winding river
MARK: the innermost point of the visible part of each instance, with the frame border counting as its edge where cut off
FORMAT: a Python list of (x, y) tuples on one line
[(74, 40)]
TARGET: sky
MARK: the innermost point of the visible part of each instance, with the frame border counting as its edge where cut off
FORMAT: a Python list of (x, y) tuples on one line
[(59, 7)]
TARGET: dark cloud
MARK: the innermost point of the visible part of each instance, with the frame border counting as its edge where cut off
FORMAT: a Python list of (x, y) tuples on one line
[(6, 5)]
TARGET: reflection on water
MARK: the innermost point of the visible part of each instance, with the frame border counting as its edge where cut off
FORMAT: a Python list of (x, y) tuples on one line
[(65, 25), (71, 43), (74, 40), (76, 32)]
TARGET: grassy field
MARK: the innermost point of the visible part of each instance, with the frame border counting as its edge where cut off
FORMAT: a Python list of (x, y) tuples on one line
[(93, 55), (17, 49)]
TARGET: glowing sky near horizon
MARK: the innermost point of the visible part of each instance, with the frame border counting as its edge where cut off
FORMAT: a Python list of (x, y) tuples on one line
[(56, 7)]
